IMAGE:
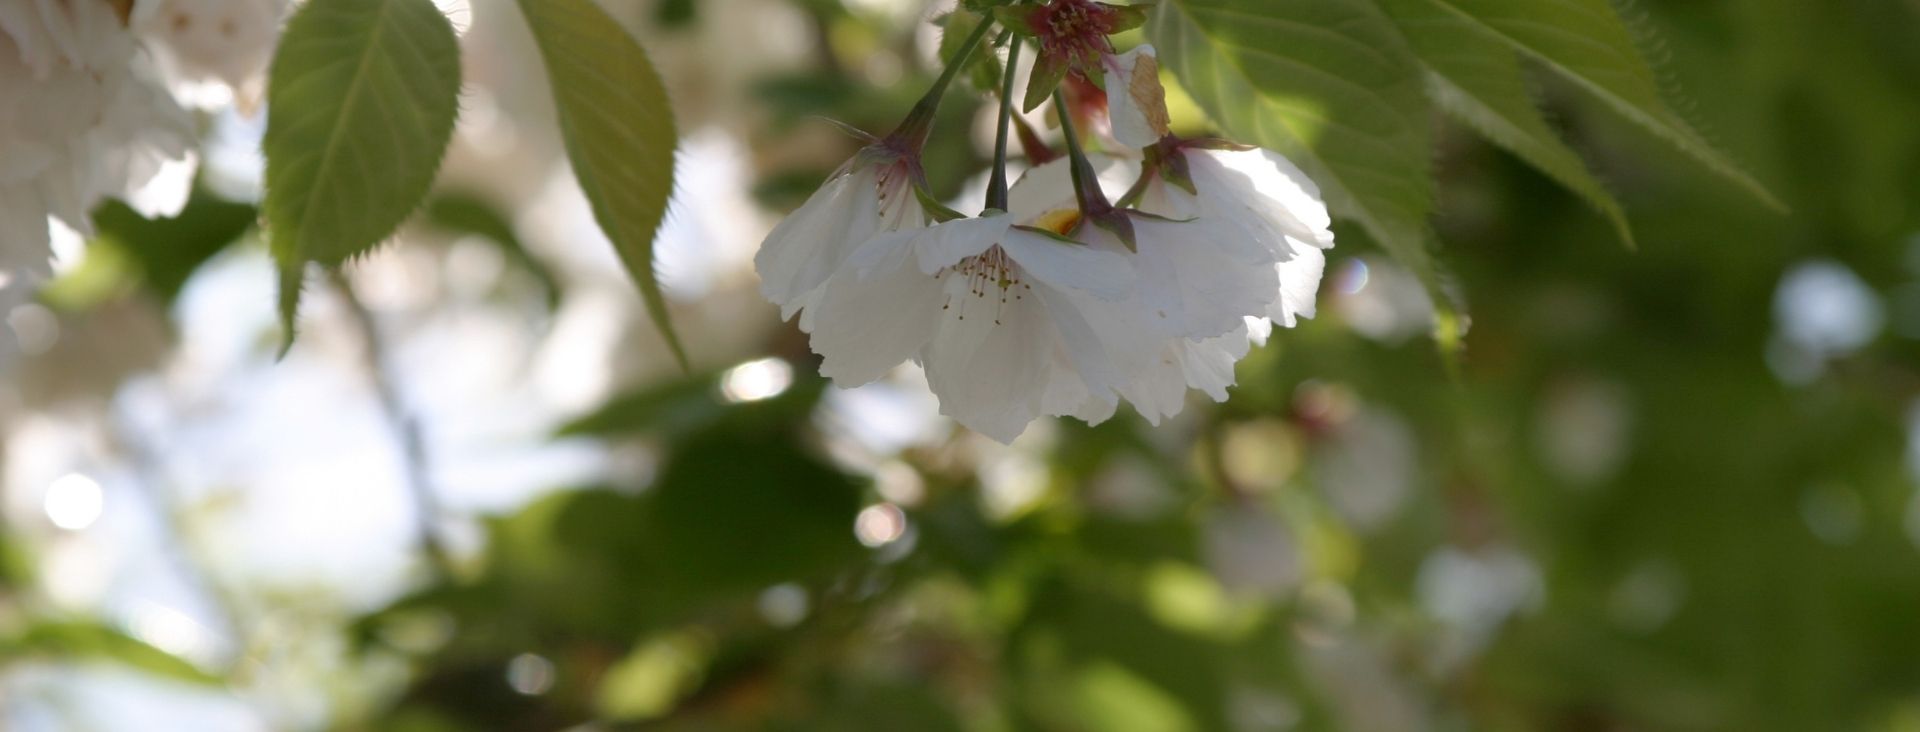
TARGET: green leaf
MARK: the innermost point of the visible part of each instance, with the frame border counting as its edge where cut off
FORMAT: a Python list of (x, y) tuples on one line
[(364, 95), (1048, 72), (84, 639), (619, 131), (1587, 42), (1330, 84), (1475, 77)]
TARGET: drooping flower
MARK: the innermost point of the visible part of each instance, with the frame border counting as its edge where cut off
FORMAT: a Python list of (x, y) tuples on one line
[(1012, 322), (992, 307), (872, 194)]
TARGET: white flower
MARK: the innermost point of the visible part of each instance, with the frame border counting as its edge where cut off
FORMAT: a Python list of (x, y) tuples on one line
[(1013, 324), (994, 311), (1136, 102), (80, 120), (1264, 194), (871, 195)]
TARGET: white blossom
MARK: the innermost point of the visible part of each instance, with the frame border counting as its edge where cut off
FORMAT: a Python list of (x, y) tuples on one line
[(80, 120), (1012, 323), (228, 42), (872, 194), (995, 312)]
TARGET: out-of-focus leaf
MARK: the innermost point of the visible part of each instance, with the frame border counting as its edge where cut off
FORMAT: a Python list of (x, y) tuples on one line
[(677, 13), (984, 69), (1329, 83), (619, 131), (877, 705), (364, 95), (741, 510), (1095, 628), (1586, 41), (467, 214), (690, 405), (1475, 77), (87, 640), (168, 251)]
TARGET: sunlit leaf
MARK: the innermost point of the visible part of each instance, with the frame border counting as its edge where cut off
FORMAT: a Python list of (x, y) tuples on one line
[(1475, 77), (363, 97), (619, 131), (1329, 83), (1586, 41)]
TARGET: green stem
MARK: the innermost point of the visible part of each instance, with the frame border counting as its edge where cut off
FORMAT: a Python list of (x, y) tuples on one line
[(997, 186), (919, 122), (1148, 170), (1086, 183)]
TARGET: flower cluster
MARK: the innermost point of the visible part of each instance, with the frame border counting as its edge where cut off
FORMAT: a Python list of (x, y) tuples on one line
[(1054, 301), (83, 116)]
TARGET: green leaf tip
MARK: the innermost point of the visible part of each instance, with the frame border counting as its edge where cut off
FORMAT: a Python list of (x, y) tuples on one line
[(617, 123), (291, 276)]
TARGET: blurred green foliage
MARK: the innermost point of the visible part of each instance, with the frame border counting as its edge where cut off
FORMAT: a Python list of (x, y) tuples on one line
[(1749, 560)]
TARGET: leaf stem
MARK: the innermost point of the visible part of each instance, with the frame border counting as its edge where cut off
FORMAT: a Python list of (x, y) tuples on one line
[(913, 130), (997, 186), (413, 444)]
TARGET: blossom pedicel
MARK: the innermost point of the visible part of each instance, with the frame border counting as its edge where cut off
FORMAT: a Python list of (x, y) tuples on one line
[(1053, 300)]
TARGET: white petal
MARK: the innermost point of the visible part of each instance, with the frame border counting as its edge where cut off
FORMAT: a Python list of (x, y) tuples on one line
[(1041, 190), (1196, 280), (1208, 365), (1080, 346), (1299, 286), (806, 247), (166, 193), (1268, 185), (1260, 329), (988, 363), (1136, 103), (869, 320), (1105, 274), (26, 247)]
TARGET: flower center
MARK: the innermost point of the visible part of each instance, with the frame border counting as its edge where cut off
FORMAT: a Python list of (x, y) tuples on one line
[(1074, 29), (1060, 221), (989, 272)]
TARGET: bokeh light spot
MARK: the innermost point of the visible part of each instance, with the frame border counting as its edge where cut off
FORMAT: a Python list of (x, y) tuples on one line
[(74, 502), (530, 674), (880, 524), (756, 380)]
